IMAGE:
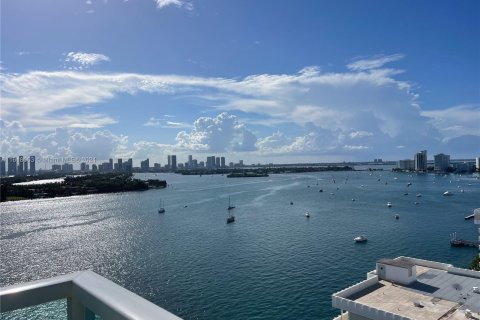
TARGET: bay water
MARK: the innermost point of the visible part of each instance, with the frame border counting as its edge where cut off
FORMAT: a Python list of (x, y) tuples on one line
[(271, 263)]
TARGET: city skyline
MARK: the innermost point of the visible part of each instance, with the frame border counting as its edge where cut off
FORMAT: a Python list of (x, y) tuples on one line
[(306, 82)]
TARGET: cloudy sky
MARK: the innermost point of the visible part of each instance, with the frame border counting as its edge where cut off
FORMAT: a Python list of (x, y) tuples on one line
[(262, 81)]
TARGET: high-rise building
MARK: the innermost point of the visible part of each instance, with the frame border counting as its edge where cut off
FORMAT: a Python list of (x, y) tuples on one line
[(20, 165), (441, 162), (83, 166), (174, 162), (32, 165), (12, 166), (145, 165), (190, 161), (94, 167), (3, 172), (421, 161), (477, 163), (120, 164), (217, 162), (407, 165), (222, 162), (127, 166), (110, 164), (67, 167), (210, 162)]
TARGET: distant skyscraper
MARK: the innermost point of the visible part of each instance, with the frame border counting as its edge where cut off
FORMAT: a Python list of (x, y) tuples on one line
[(120, 164), (20, 165), (83, 166), (406, 164), (174, 162), (441, 162), (94, 167), (477, 163), (217, 162), (222, 162), (3, 171), (421, 161), (190, 161), (12, 166), (145, 165), (32, 165), (110, 164)]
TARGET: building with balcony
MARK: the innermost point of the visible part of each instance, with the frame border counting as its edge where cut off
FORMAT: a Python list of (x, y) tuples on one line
[(421, 161), (408, 288), (441, 162)]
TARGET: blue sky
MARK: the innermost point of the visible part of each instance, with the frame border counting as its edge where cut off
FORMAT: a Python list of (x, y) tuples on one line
[(262, 81)]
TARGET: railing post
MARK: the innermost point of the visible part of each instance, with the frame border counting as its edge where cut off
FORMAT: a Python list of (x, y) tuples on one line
[(75, 309)]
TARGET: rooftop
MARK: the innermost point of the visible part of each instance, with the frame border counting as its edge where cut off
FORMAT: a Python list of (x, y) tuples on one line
[(441, 291)]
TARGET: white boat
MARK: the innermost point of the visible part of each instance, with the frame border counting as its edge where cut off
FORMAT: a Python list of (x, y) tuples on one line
[(447, 193), (389, 204), (162, 207), (419, 195), (360, 238), (307, 214)]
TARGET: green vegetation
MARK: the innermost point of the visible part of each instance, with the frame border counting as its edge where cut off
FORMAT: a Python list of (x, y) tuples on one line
[(475, 265), (264, 171), (75, 185)]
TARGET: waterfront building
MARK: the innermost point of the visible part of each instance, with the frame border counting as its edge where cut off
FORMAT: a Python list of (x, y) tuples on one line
[(110, 165), (210, 162), (174, 162), (83, 166), (441, 162), (3, 172), (463, 167), (12, 166), (217, 162), (56, 167), (145, 165), (67, 167), (406, 164), (222, 162), (190, 161), (94, 167), (32, 165), (408, 288), (120, 164), (477, 163), (127, 166), (421, 161), (20, 165)]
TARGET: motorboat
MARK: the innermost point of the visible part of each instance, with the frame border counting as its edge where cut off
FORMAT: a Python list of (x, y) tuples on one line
[(307, 214), (397, 217), (389, 204), (360, 238), (447, 193)]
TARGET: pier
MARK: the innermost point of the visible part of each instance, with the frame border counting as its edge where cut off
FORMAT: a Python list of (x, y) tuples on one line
[(454, 241)]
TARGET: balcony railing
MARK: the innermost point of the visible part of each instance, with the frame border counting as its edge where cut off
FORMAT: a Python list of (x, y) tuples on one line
[(88, 294)]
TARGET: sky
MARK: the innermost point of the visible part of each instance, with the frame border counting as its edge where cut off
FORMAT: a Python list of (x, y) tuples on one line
[(259, 81)]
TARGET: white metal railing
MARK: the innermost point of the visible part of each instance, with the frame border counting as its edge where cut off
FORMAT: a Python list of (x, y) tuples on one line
[(87, 294)]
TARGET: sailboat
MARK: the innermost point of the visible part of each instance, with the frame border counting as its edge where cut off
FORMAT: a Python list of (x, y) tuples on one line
[(231, 217), (162, 207), (230, 207)]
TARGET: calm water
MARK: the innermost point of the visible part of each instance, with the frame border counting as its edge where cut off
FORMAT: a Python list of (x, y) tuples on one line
[(272, 263)]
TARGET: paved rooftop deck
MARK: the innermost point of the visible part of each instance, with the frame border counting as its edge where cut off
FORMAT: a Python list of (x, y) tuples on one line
[(435, 295)]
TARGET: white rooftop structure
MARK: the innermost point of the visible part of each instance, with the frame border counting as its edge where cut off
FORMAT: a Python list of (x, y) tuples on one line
[(408, 288)]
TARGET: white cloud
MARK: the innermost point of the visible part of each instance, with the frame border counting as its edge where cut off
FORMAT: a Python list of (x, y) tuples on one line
[(152, 122), (223, 133), (456, 121), (176, 3), (374, 62), (83, 59), (363, 109)]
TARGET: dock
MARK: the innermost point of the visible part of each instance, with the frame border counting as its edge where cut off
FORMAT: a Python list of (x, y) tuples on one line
[(454, 241)]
